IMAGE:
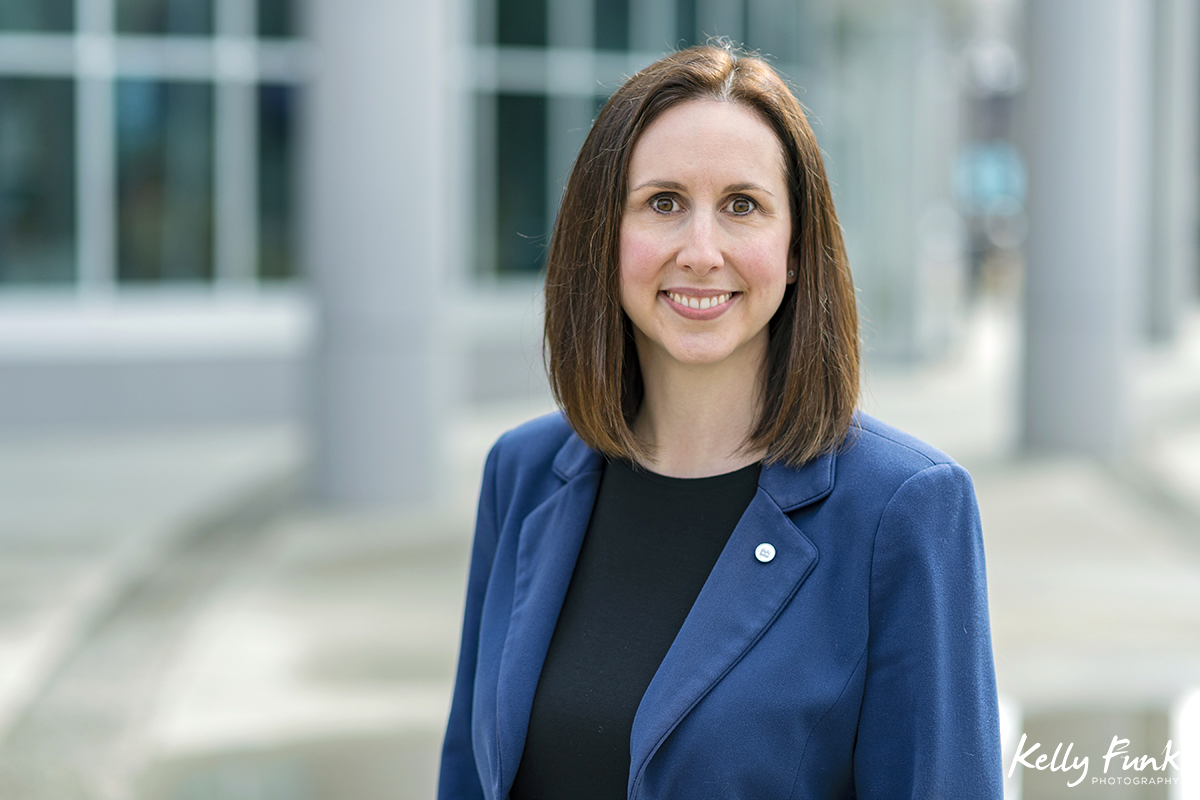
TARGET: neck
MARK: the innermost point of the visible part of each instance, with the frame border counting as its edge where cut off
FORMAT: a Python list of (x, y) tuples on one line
[(697, 418)]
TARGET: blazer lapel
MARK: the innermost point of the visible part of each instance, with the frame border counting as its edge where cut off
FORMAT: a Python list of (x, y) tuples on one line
[(738, 602), (547, 549)]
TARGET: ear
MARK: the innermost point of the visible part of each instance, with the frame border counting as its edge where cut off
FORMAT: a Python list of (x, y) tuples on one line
[(793, 270)]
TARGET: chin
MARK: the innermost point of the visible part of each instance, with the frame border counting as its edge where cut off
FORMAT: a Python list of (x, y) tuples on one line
[(699, 357)]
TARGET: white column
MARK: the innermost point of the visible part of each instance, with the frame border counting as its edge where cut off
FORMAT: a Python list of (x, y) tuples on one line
[(376, 205), (1088, 144), (1171, 279)]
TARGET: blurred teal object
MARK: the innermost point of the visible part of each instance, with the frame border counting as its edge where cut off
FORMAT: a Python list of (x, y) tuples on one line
[(37, 180), (276, 152), (178, 17), (990, 176), (37, 16), (521, 22), (164, 180), (522, 231), (612, 24), (278, 19)]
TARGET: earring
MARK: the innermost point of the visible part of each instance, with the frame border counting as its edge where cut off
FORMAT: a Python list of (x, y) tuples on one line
[(791, 273)]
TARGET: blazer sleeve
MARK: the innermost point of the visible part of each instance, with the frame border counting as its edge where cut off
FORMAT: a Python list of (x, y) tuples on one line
[(459, 775), (929, 724)]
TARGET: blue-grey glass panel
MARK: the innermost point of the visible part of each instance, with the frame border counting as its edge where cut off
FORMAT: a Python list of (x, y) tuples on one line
[(520, 183), (185, 17), (612, 24), (50, 16), (278, 18), (685, 22), (37, 180), (164, 180), (276, 180), (774, 28), (521, 22)]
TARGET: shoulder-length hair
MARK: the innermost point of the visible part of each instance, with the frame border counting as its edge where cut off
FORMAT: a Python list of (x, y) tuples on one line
[(811, 372)]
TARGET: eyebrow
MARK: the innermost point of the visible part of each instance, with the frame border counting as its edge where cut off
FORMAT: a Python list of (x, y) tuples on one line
[(678, 187)]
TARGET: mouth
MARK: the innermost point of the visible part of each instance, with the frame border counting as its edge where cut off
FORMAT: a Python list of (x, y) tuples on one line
[(702, 303)]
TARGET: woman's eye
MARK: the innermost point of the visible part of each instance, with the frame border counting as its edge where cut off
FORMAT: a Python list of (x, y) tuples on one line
[(741, 205), (663, 204)]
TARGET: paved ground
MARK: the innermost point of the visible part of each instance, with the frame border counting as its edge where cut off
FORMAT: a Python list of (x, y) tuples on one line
[(87, 525), (175, 625)]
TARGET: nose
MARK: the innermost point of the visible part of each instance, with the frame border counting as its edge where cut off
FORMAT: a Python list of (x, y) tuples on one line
[(700, 250)]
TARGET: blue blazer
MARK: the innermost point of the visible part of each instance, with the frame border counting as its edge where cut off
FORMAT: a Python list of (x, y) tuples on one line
[(857, 663)]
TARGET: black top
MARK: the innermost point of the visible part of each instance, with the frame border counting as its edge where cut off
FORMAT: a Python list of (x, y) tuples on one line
[(649, 547)]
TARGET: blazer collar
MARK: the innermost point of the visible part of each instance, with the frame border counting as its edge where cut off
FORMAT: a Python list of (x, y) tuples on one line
[(793, 487), (790, 487), (575, 457)]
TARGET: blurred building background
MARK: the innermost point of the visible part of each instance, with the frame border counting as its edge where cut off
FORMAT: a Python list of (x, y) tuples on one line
[(269, 288)]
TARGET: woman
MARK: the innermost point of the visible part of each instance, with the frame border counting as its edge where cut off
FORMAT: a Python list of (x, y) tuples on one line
[(708, 577)]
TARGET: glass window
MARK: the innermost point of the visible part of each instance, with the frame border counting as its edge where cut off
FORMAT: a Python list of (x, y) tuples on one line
[(685, 22), (276, 119), (277, 18), (37, 180), (520, 183), (187, 17), (521, 22), (612, 24), (164, 180), (37, 15)]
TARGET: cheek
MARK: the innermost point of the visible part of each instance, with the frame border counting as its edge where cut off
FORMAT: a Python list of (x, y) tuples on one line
[(769, 263), (639, 257), (638, 270)]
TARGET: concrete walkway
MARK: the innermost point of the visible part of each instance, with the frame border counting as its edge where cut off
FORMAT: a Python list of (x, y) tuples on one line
[(83, 517), (284, 652)]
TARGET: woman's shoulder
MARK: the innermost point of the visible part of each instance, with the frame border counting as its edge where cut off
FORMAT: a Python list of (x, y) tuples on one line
[(532, 457), (885, 458), (538, 440), (878, 440)]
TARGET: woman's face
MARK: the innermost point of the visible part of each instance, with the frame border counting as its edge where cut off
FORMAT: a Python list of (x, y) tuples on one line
[(705, 236)]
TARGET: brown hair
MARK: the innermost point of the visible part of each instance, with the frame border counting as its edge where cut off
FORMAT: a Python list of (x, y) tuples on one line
[(811, 374)]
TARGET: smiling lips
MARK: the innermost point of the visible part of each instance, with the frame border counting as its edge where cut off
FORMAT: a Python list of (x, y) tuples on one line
[(704, 306), (700, 303)]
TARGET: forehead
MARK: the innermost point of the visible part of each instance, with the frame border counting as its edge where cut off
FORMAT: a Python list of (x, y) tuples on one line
[(708, 137)]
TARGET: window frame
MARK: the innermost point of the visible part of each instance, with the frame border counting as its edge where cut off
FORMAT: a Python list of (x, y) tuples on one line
[(234, 60)]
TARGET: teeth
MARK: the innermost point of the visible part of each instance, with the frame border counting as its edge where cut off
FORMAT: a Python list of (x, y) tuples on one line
[(700, 303)]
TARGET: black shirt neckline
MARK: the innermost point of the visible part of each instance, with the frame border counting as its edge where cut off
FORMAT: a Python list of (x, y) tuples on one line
[(708, 481)]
